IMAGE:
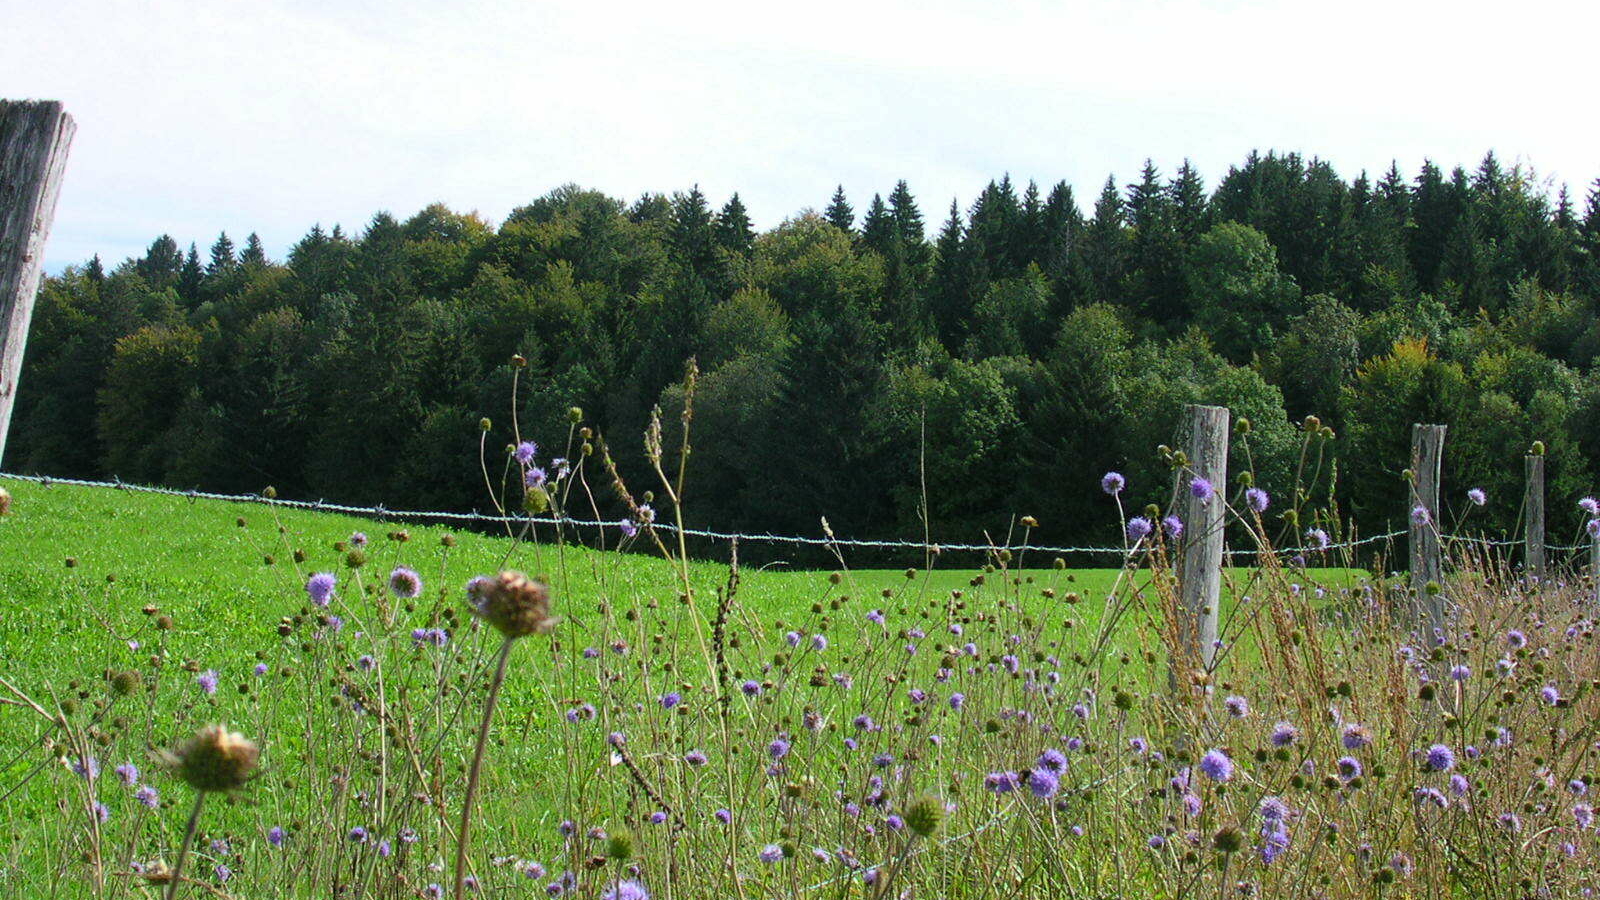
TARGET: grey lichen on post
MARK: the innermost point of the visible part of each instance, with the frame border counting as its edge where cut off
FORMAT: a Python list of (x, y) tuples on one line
[(1533, 509), (34, 138), (1203, 524), (1427, 452)]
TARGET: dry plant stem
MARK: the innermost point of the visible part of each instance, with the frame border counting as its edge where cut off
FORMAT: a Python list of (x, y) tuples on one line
[(477, 768), (188, 840)]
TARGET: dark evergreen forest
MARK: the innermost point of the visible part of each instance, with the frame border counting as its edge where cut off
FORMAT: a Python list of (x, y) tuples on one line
[(1038, 339)]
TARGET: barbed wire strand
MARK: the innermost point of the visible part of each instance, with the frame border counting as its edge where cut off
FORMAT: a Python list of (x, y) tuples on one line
[(380, 511)]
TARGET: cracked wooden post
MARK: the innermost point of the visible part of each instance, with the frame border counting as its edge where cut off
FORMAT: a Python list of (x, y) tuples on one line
[(1202, 529), (1533, 521), (1422, 512), (34, 138)]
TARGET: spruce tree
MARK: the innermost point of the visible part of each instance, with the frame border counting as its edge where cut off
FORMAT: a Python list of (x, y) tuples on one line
[(734, 233), (877, 227), (840, 214), (223, 260), (191, 277), (253, 256), (161, 262)]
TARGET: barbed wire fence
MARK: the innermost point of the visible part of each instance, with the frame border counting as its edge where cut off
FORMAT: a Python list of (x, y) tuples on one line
[(381, 512)]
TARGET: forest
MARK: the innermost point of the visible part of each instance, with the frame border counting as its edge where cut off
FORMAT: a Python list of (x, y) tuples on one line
[(995, 358)]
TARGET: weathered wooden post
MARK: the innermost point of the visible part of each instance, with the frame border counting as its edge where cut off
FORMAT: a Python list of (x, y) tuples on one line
[(1533, 508), (34, 139), (1427, 452), (1594, 556), (1203, 524)]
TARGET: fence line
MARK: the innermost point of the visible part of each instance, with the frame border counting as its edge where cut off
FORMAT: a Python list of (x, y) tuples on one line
[(381, 512)]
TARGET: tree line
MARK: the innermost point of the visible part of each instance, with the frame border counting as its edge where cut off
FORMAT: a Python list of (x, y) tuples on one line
[(850, 366)]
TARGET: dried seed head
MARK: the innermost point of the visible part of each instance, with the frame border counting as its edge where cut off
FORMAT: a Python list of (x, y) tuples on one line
[(215, 759), (515, 604), (925, 816), (5, 501)]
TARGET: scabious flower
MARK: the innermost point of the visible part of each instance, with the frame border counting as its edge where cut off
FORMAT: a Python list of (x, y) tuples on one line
[(535, 477), (627, 528), (207, 681), (625, 890), (405, 583), (1274, 809), (1460, 673), (1138, 745), (1053, 760), (1593, 528), (1113, 483), (147, 796), (1216, 766), (276, 836), (1509, 822), (671, 699), (526, 451), (1139, 528), (1590, 505), (1173, 526), (750, 688), (1201, 489), (1257, 499), (1354, 736), (957, 700), (1459, 785), (723, 816), (1043, 783), (128, 773), (819, 642), (1427, 795), (1284, 734), (1583, 814), (320, 588), (1349, 768), (778, 749), (695, 758), (1237, 706), (1440, 758), (1550, 694), (1477, 496), (1318, 538), (1001, 782), (358, 539), (1420, 516), (1155, 842)]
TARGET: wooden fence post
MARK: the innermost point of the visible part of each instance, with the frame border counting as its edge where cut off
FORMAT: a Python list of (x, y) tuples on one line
[(34, 139), (1533, 508), (1202, 532), (1594, 564), (1422, 512)]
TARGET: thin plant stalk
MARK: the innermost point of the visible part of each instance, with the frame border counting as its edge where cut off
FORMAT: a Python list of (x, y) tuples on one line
[(462, 834), (188, 840)]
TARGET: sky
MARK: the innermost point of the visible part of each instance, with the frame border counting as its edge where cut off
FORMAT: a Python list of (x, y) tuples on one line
[(275, 115)]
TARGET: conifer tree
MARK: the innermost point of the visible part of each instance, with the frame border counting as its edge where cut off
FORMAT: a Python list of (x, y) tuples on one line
[(877, 227), (734, 232), (161, 262), (840, 214), (191, 277), (253, 255), (223, 260)]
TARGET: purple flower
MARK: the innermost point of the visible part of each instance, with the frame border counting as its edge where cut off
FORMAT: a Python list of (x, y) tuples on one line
[(1349, 768), (1237, 706), (405, 583), (1284, 734), (1593, 528), (1113, 483), (751, 688), (695, 758), (128, 773), (875, 616), (358, 539), (723, 816), (1001, 782), (207, 681), (1577, 787), (366, 663), (1173, 525), (1583, 814), (1318, 538), (1477, 496), (1216, 765), (222, 872), (1257, 499), (627, 528), (1201, 489), (276, 836), (1550, 695), (625, 890), (148, 796), (669, 700), (957, 700), (534, 477), (1139, 528), (1138, 745), (819, 642), (1459, 785), (1424, 796), (1510, 822), (1420, 516), (1440, 758), (1590, 506), (260, 669), (1460, 673), (1192, 804), (1354, 736), (1043, 783), (320, 588), (1155, 842), (436, 892), (1053, 760), (778, 749), (1516, 640), (526, 451), (658, 817)]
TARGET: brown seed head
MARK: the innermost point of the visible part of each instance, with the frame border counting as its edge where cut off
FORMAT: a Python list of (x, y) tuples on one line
[(515, 604), (215, 759)]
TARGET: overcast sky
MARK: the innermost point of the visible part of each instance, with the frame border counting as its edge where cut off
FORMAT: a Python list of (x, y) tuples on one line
[(194, 118)]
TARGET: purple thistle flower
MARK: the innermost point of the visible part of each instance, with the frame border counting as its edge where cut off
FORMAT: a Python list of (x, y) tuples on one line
[(723, 816), (751, 688), (957, 700), (319, 588), (1201, 489), (1113, 483), (695, 758), (1043, 783), (1173, 526), (1440, 758), (1257, 499), (405, 583), (1155, 842), (1139, 528), (207, 681), (526, 451), (260, 669), (1217, 766), (1477, 496)]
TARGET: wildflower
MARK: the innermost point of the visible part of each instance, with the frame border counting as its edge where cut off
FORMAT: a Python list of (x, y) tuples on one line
[(405, 583), (1284, 734), (1460, 673), (128, 773), (957, 700), (1420, 516), (319, 588), (1257, 499), (778, 749), (1053, 760), (516, 605), (1138, 745), (1590, 505), (1424, 796), (750, 688), (535, 477), (1583, 814), (917, 695), (792, 638), (875, 616), (819, 642), (1477, 496), (1173, 526), (357, 835), (207, 681), (625, 890), (658, 817), (1593, 527), (1318, 538), (1400, 864), (1550, 694), (1274, 841), (1516, 640), (1001, 782), (1155, 842), (1273, 809), (101, 811), (1139, 528), (215, 759), (723, 816), (365, 662), (1192, 804), (260, 669), (147, 796), (1354, 736), (1440, 758), (1509, 822), (1201, 489), (526, 451), (627, 528), (671, 699), (1217, 766), (1113, 483), (1577, 788), (276, 836), (534, 871), (436, 892), (1043, 783), (1459, 785), (1237, 706)]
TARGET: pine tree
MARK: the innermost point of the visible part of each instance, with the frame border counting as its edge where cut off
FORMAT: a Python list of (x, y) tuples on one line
[(253, 256), (734, 233), (159, 267), (877, 227), (949, 293), (1062, 260), (692, 236), (191, 277), (840, 214), (223, 260), (1106, 245), (95, 270), (1190, 206)]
